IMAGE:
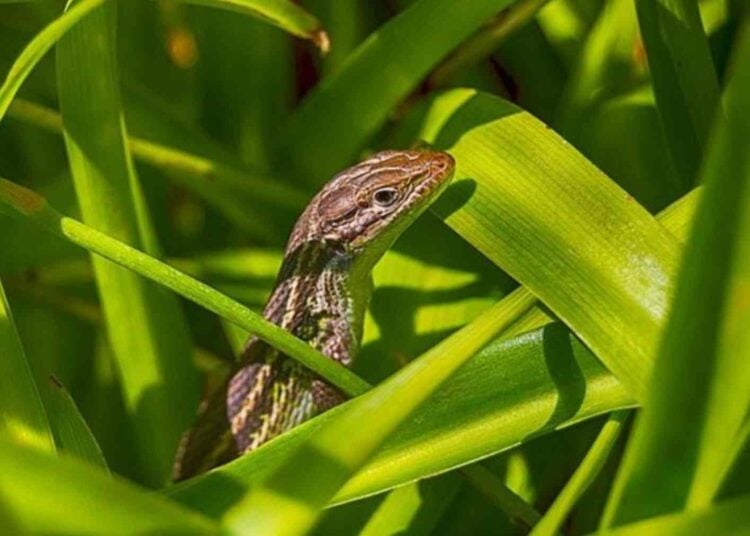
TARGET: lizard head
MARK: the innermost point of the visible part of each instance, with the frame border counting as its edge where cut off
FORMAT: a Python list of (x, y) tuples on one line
[(363, 209)]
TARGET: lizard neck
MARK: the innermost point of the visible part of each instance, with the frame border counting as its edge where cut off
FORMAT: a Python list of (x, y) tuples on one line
[(321, 296)]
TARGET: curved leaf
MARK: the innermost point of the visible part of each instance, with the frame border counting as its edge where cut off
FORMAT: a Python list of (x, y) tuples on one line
[(282, 13), (585, 474), (543, 213), (508, 393), (38, 47), (285, 502), (22, 414), (72, 433), (48, 495)]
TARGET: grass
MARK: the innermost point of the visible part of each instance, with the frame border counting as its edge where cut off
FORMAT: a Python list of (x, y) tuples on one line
[(155, 154)]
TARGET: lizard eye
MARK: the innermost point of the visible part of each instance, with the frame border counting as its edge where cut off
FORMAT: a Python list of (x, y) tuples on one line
[(385, 197)]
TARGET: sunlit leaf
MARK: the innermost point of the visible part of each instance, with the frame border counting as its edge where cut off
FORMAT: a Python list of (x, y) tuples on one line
[(149, 337), (72, 434), (49, 495), (700, 393), (543, 213), (22, 414)]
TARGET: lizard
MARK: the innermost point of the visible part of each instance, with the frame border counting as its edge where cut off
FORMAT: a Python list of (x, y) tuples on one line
[(320, 295)]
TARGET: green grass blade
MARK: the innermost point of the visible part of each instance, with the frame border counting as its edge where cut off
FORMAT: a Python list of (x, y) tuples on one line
[(486, 409), (729, 517), (586, 473), (72, 434), (24, 203), (604, 63), (287, 501), (412, 509), (282, 13), (686, 87), (344, 111), (149, 336), (49, 495), (38, 47), (232, 190), (175, 159), (542, 212), (518, 510), (700, 392), (22, 415), (486, 40)]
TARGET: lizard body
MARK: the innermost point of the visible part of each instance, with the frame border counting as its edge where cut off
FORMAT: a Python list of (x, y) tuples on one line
[(320, 296)]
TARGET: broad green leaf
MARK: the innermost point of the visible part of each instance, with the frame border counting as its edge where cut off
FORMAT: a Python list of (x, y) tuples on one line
[(586, 473), (728, 517), (22, 415), (345, 110), (510, 392), (286, 500), (25, 204), (48, 495), (38, 47), (148, 334), (700, 392), (282, 13), (553, 221), (72, 434), (684, 79)]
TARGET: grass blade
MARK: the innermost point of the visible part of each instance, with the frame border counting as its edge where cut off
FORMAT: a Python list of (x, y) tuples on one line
[(24, 203), (147, 331), (72, 434), (486, 408), (38, 47), (22, 415), (48, 495), (287, 502), (518, 510), (345, 110), (586, 473), (700, 392), (729, 517), (282, 13), (686, 87)]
